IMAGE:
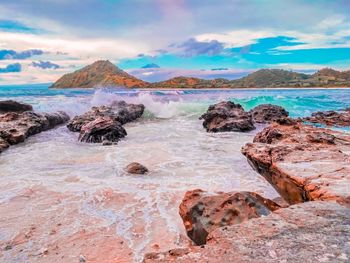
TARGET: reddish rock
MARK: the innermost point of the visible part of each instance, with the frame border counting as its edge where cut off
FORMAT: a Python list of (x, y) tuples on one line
[(202, 212), (302, 162), (307, 232), (267, 113), (119, 111), (136, 168), (331, 118), (227, 116), (14, 106), (102, 129), (16, 127)]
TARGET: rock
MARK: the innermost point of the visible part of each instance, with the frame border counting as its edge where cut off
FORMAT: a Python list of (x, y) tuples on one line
[(202, 213), (302, 162), (102, 129), (120, 111), (227, 116), (16, 127), (14, 106), (136, 168), (267, 113), (330, 118), (307, 232)]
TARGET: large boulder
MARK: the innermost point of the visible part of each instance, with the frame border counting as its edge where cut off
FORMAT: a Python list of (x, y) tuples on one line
[(202, 212), (227, 116), (120, 111), (102, 129), (14, 106), (330, 118), (307, 232), (136, 168), (16, 127), (266, 113), (302, 162)]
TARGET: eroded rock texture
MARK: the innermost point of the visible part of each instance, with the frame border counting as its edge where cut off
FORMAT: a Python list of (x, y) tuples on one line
[(227, 116), (202, 212), (104, 123), (331, 118), (308, 232), (302, 162), (267, 113), (16, 127)]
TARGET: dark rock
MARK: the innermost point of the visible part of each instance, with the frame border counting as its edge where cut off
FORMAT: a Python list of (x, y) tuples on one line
[(202, 213), (14, 106), (120, 111), (136, 168), (330, 118), (267, 113), (102, 129), (16, 127), (227, 116)]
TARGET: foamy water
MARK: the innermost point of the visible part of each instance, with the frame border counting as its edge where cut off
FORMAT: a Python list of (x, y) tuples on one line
[(61, 199)]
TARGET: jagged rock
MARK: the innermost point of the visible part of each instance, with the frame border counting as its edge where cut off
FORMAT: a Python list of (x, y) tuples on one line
[(102, 129), (267, 113), (136, 168), (14, 106), (120, 111), (302, 162), (202, 212), (227, 116), (308, 232), (16, 127), (330, 118)]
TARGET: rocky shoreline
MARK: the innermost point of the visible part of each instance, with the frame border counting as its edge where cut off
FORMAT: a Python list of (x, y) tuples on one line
[(308, 166)]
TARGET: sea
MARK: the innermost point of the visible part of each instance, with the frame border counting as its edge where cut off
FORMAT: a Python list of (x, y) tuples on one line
[(61, 192)]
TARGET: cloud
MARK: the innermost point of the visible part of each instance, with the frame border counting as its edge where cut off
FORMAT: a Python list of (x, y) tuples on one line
[(45, 65), (193, 47), (16, 67), (11, 54), (151, 65)]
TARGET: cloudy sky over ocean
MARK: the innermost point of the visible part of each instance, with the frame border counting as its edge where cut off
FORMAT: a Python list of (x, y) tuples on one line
[(156, 39)]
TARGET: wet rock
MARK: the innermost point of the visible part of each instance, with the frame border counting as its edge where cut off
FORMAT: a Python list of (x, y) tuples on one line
[(102, 129), (330, 118), (136, 168), (227, 116), (16, 127), (202, 213), (14, 106), (119, 111), (267, 113), (307, 232), (302, 162)]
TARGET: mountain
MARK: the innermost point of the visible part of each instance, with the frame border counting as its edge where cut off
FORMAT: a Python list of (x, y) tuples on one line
[(151, 65), (100, 73)]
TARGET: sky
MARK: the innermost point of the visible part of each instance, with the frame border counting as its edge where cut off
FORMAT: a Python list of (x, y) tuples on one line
[(40, 40)]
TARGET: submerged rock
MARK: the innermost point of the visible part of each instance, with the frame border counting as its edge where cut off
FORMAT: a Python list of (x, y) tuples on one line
[(330, 118), (16, 127), (102, 129), (267, 113), (307, 232), (136, 168), (227, 116), (302, 162), (202, 213), (119, 111), (14, 106)]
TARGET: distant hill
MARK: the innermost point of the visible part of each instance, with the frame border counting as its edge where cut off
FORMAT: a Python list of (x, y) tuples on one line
[(104, 73), (100, 73)]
